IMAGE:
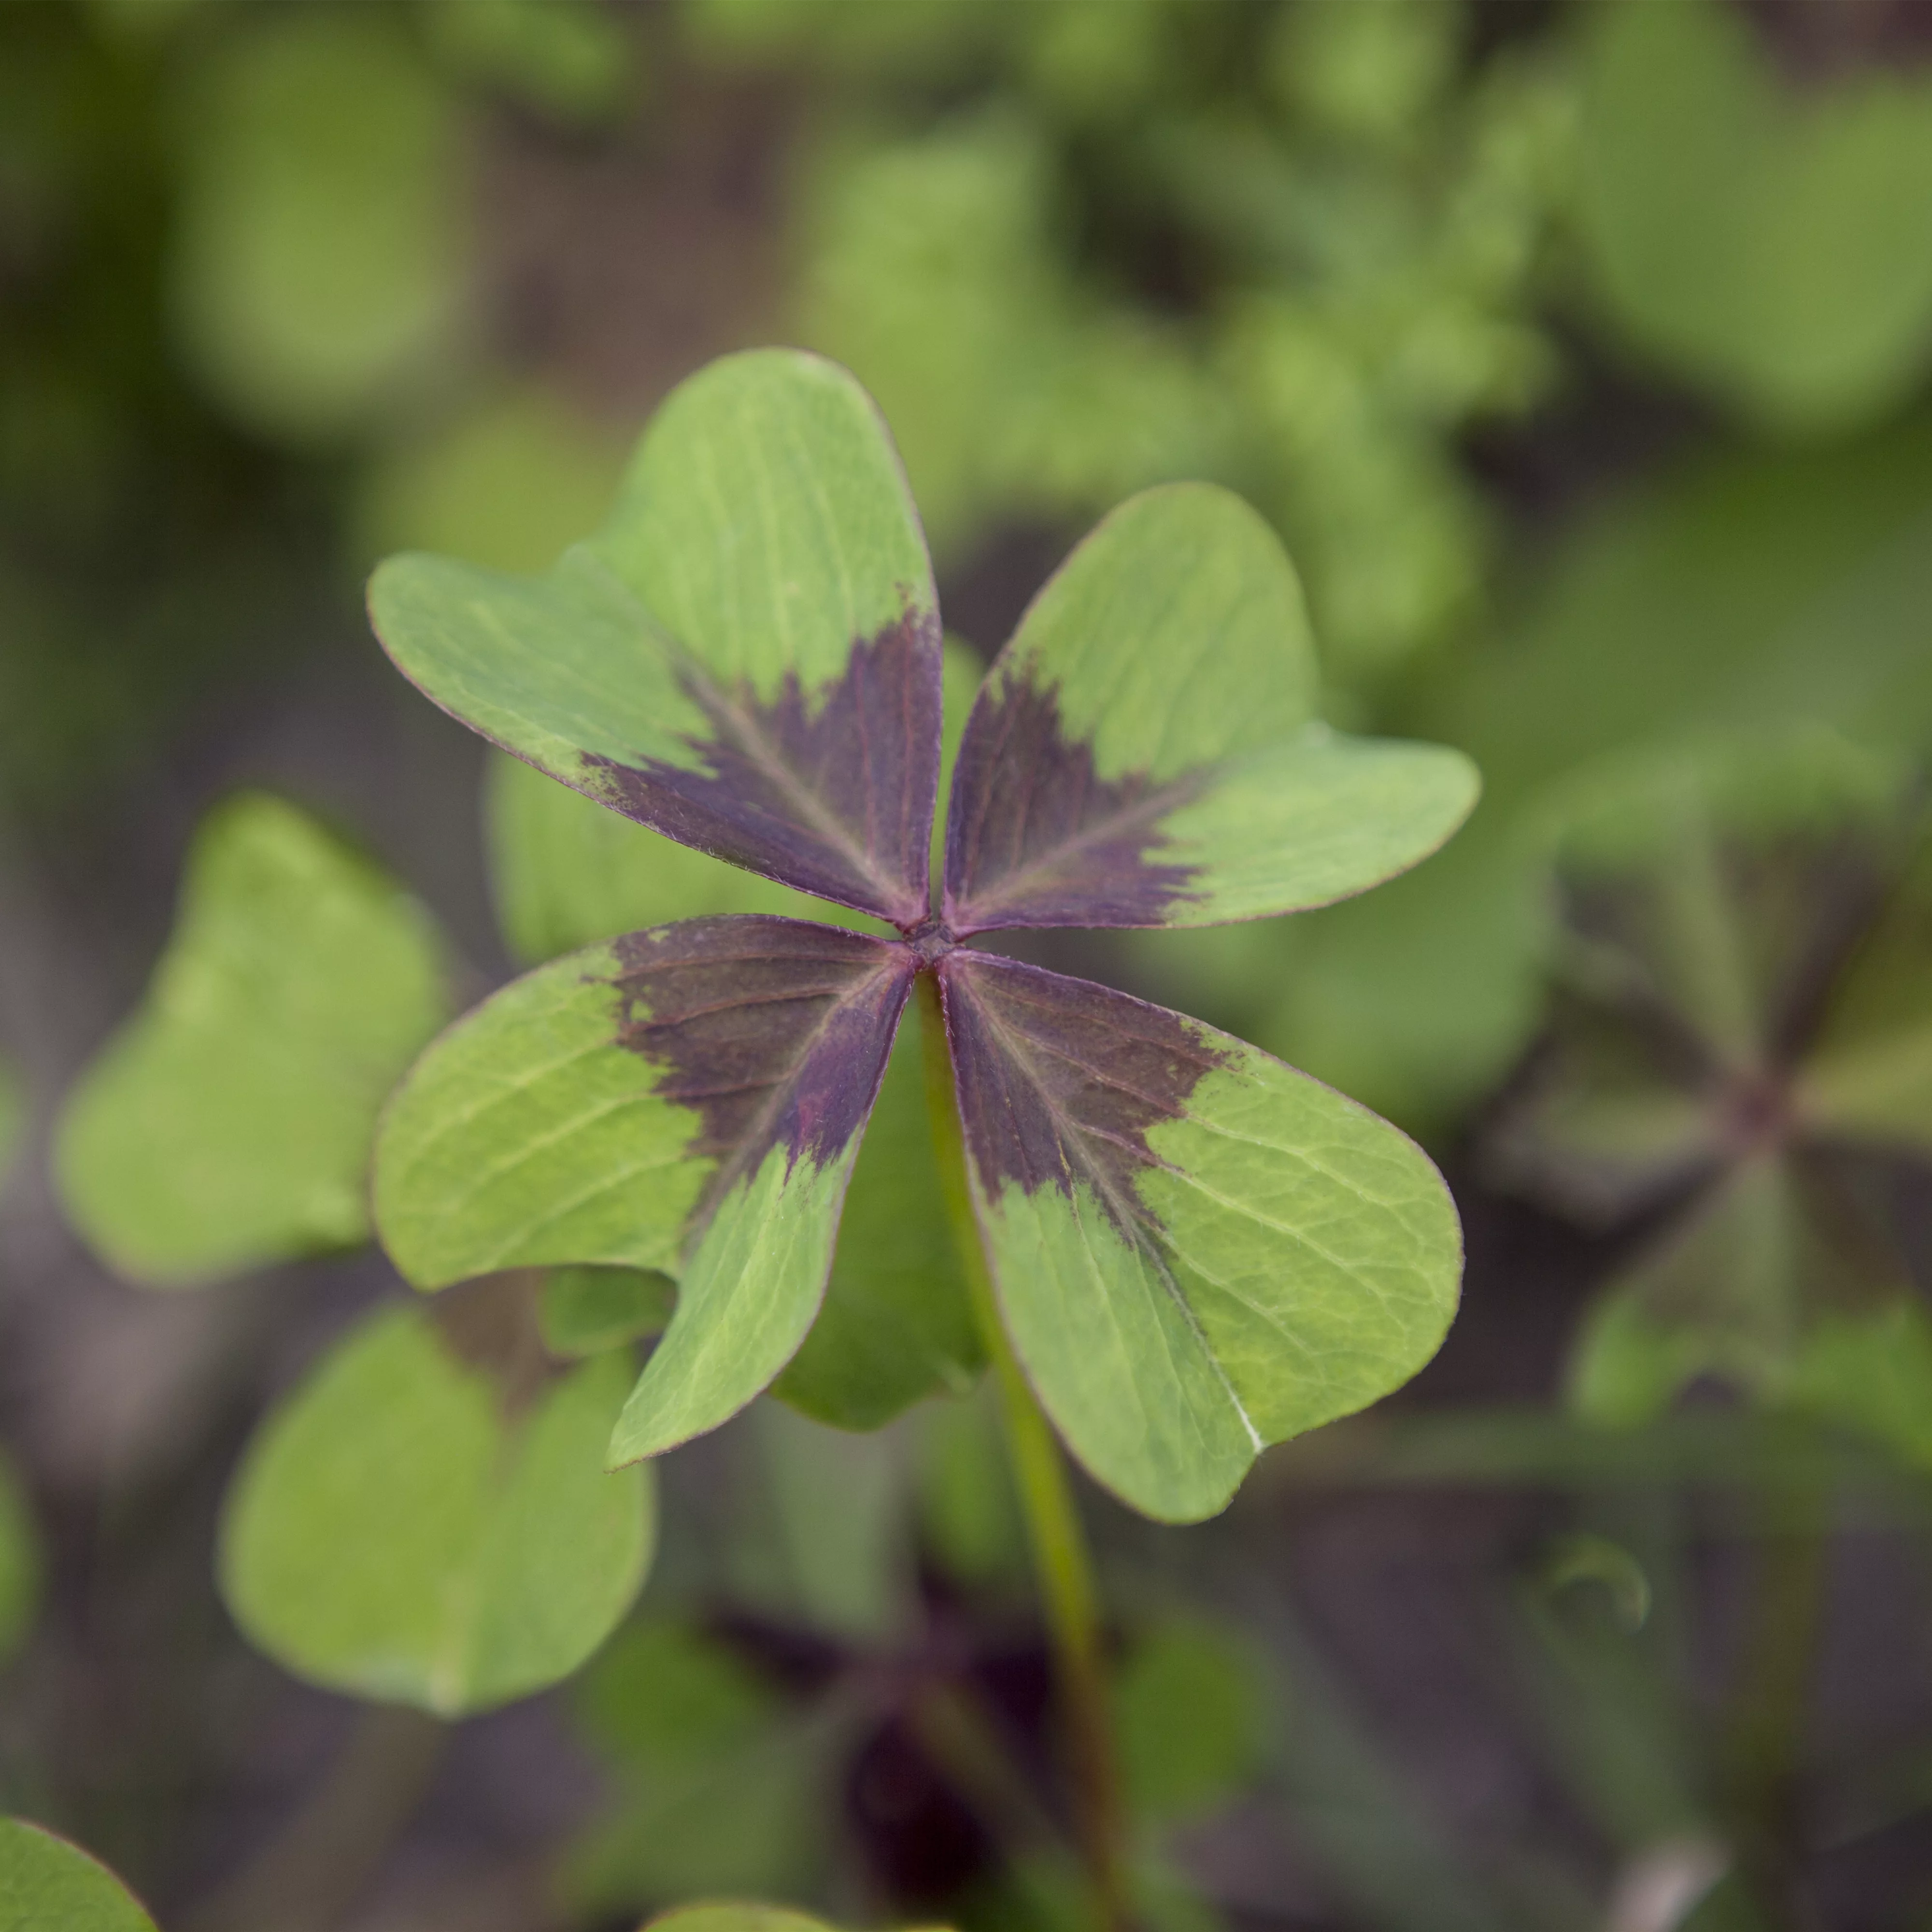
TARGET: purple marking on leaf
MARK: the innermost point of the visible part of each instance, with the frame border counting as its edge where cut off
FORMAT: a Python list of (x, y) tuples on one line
[(1060, 1079), (1033, 837), (772, 1031), (830, 791)]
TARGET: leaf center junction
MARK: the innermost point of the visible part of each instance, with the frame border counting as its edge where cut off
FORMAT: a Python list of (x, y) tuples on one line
[(931, 939)]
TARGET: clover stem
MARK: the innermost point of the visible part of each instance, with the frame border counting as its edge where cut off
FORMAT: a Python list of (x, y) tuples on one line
[(1058, 1542)]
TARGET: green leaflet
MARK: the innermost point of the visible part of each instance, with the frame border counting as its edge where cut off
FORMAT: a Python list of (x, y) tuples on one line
[(393, 1534), (1254, 1255), (1304, 824), (565, 872), (1143, 753), (765, 521), (47, 1884), (894, 1325), (1174, 636), (707, 663), (228, 1123), (547, 1127), (1773, 240), (526, 1135), (745, 1301)]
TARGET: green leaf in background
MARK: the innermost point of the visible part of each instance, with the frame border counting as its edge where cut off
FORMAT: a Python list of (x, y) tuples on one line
[(1369, 72), (718, 1788), (1158, 693), (1627, 1365), (47, 1884), (141, 20), (570, 59), (762, 589), (969, 1516), (394, 1532), (666, 1691), (229, 1123), (1770, 239), (1187, 1711), (821, 1530), (509, 484), (19, 1564), (1197, 1250), (586, 1310), (317, 282)]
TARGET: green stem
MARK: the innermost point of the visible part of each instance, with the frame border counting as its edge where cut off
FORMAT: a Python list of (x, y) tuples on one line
[(1046, 1499)]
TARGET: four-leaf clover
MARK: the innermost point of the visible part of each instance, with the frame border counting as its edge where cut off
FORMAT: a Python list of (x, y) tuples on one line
[(1196, 1250)]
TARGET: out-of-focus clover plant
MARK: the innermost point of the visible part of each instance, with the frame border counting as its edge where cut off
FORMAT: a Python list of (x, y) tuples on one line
[(1741, 1059)]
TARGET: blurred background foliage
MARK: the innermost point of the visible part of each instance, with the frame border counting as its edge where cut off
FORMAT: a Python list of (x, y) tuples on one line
[(1579, 352)]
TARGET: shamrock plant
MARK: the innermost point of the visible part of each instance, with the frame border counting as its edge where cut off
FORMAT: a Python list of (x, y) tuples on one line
[(1738, 1052), (1190, 1249)]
